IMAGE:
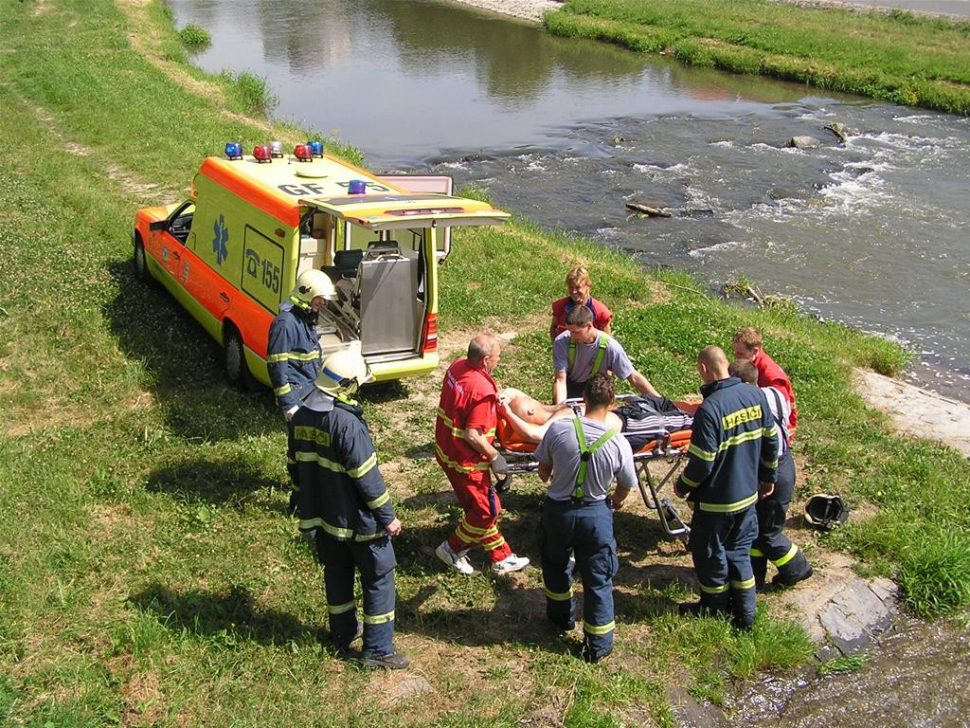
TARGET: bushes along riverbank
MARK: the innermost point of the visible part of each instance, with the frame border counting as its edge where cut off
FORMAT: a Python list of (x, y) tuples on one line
[(148, 572), (897, 56)]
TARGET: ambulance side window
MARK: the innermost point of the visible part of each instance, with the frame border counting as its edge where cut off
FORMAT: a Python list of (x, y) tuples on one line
[(180, 222)]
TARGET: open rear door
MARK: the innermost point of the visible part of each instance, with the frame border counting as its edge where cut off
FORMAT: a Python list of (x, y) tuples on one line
[(441, 184), (402, 211)]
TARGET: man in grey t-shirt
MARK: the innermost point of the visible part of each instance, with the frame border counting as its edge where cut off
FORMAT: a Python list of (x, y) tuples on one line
[(579, 458), (582, 351)]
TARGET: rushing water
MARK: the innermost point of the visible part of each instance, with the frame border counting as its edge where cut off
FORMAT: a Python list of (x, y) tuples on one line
[(916, 678), (875, 233)]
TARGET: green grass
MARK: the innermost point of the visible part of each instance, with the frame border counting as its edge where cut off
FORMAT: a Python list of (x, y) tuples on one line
[(843, 665), (148, 572), (916, 61)]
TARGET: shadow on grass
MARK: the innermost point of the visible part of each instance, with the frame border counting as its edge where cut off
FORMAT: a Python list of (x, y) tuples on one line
[(228, 480), (518, 602), (228, 617), (517, 614), (185, 366)]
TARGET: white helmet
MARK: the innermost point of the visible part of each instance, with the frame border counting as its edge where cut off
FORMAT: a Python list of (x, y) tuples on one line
[(343, 372), (310, 284)]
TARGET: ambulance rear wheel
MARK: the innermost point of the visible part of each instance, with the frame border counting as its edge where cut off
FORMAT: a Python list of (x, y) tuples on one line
[(234, 359)]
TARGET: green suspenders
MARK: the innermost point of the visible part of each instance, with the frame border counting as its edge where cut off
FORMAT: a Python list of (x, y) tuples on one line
[(585, 453), (597, 362)]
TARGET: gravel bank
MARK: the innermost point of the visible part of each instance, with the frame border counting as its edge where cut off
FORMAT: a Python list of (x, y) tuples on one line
[(531, 10)]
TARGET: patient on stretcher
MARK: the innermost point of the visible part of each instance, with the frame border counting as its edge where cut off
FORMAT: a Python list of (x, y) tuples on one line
[(642, 418)]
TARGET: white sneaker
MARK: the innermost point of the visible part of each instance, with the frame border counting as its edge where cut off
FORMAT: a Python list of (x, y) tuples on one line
[(460, 563), (509, 564)]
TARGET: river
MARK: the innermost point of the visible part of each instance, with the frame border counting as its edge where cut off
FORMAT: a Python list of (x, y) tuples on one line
[(874, 233)]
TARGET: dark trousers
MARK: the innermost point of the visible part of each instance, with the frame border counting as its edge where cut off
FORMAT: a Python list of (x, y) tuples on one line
[(772, 544), (586, 530), (574, 390), (719, 545), (375, 561)]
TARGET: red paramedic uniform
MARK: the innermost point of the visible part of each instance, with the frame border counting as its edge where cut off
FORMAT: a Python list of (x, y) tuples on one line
[(772, 375), (468, 400), (561, 308)]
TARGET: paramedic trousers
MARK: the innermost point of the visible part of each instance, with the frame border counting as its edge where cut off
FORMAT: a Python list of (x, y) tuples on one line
[(375, 561), (574, 390), (772, 544), (585, 529), (719, 545), (479, 524)]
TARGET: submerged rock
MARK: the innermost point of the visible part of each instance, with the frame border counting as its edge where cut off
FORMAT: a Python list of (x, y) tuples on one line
[(804, 142)]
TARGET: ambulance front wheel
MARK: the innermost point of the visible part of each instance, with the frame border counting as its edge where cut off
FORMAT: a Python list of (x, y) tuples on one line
[(140, 264), (234, 358)]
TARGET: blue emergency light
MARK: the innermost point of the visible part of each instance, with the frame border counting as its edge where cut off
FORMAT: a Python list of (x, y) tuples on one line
[(357, 187), (234, 150), (317, 147)]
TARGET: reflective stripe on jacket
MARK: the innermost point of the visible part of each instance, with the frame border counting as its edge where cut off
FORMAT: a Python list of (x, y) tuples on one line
[(469, 397), (292, 355), (341, 488), (734, 445)]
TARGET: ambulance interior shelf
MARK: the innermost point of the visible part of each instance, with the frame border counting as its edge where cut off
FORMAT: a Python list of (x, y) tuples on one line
[(377, 294)]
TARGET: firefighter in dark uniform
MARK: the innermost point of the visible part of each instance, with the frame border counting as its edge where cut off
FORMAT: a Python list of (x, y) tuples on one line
[(344, 502), (772, 543), (293, 352), (583, 457), (733, 456)]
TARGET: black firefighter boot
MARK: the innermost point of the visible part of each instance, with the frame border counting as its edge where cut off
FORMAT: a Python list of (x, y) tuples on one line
[(793, 571)]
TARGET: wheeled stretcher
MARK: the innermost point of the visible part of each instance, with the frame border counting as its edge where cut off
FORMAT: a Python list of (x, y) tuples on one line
[(670, 450)]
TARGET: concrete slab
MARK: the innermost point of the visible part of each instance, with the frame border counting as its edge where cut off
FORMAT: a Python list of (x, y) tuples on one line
[(917, 412)]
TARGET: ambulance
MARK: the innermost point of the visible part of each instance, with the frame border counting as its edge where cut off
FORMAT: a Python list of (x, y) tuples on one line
[(231, 252)]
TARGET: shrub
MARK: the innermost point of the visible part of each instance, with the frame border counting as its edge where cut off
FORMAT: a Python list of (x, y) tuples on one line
[(194, 36), (253, 91)]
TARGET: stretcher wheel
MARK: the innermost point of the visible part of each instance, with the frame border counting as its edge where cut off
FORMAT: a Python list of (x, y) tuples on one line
[(504, 485)]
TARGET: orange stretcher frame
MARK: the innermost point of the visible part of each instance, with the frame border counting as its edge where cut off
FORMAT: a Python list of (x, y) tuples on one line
[(670, 449)]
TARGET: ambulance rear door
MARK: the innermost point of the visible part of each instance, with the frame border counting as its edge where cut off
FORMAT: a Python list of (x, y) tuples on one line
[(395, 289), (440, 184)]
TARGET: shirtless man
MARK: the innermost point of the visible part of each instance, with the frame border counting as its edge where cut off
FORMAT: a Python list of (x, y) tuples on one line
[(648, 416)]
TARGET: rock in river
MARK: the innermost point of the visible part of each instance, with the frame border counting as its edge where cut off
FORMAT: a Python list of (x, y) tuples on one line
[(804, 142)]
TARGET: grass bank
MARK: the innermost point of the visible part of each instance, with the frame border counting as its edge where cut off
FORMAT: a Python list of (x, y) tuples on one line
[(897, 56), (148, 572)]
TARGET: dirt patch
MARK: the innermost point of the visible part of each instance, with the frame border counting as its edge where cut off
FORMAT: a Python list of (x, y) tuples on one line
[(28, 420), (128, 181), (130, 184), (139, 690)]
